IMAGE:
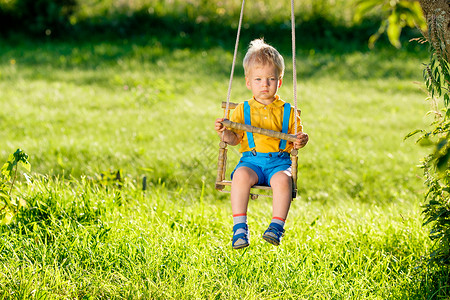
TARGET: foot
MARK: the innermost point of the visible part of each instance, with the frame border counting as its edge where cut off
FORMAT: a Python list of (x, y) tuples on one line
[(240, 236), (273, 234)]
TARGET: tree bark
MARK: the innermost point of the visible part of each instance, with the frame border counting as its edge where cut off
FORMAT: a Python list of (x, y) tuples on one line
[(437, 16)]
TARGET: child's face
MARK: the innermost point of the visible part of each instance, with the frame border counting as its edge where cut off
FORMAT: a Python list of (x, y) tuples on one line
[(263, 81)]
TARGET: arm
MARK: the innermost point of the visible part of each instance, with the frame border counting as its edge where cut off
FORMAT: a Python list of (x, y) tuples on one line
[(229, 136)]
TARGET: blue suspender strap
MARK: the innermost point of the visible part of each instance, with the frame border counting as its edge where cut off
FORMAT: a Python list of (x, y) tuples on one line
[(285, 128), (247, 119)]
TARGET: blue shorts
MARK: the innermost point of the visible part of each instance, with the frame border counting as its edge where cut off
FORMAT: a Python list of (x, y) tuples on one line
[(265, 164)]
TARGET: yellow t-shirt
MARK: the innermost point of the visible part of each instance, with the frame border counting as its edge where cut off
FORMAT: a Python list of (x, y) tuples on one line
[(268, 117)]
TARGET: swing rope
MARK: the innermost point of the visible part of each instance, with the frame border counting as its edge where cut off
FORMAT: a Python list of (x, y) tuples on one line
[(227, 108), (294, 67)]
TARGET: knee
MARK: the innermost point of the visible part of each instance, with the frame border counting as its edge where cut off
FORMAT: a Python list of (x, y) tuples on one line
[(245, 175), (281, 181)]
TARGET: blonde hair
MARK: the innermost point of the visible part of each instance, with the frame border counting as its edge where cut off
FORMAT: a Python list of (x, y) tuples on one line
[(260, 53)]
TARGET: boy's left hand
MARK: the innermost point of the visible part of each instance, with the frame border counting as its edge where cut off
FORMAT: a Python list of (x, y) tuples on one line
[(302, 140)]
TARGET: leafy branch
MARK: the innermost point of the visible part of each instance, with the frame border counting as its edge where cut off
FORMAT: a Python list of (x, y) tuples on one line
[(436, 211), (396, 14)]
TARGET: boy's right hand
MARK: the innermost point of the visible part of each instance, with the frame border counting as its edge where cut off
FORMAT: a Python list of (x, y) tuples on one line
[(302, 140), (219, 126)]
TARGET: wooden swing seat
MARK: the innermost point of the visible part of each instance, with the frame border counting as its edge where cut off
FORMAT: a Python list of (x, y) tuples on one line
[(221, 183)]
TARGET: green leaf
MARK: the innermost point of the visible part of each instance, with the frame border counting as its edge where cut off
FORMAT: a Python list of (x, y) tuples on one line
[(364, 7), (442, 161), (7, 170), (17, 157), (373, 38), (413, 133), (22, 157), (394, 29), (4, 194), (442, 143), (7, 218), (425, 141)]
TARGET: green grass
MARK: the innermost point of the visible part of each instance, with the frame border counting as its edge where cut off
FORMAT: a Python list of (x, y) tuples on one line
[(80, 109), (169, 245)]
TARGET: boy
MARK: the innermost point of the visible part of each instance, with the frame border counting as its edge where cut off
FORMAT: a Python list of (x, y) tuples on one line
[(265, 160)]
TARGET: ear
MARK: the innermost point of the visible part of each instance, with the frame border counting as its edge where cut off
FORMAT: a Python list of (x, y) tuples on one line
[(280, 82), (247, 82)]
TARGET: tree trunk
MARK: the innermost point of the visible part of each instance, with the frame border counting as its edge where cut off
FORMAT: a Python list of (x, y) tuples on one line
[(437, 15)]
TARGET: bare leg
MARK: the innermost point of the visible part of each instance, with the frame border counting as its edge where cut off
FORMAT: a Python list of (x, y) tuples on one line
[(243, 179), (281, 183)]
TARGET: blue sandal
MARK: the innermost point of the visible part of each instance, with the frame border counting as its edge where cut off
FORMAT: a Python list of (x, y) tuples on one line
[(240, 240), (273, 234)]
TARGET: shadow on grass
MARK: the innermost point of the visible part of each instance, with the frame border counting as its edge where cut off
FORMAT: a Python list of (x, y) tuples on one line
[(176, 51)]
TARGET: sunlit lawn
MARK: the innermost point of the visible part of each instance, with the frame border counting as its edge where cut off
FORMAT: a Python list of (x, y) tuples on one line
[(148, 110)]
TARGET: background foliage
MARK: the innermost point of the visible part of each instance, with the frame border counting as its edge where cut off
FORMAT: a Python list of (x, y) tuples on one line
[(327, 23)]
